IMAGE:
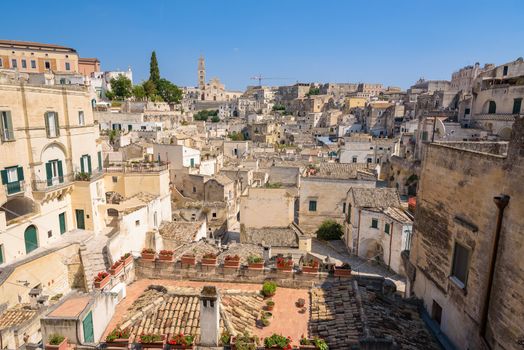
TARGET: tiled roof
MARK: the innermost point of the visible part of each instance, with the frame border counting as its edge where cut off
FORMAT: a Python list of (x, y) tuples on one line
[(375, 197), (242, 250), (16, 316), (171, 311), (32, 45), (273, 236), (178, 232), (199, 249), (341, 170)]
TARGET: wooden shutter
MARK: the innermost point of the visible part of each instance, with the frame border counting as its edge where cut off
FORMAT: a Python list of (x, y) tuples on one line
[(49, 173), (4, 176), (57, 126), (20, 173), (60, 172), (82, 164), (46, 118), (99, 160), (89, 164), (9, 126)]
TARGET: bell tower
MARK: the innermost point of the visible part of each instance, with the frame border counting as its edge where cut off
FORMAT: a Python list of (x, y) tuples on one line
[(201, 73)]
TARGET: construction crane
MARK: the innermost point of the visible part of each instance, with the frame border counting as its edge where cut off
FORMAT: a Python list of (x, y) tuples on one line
[(260, 78)]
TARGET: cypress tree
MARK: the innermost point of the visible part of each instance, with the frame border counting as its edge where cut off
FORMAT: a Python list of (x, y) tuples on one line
[(154, 72)]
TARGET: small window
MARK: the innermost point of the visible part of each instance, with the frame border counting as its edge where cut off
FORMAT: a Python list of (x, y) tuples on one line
[(49, 234), (194, 189), (374, 223), (68, 66), (137, 223), (312, 205), (33, 64), (459, 271), (81, 120), (214, 215), (115, 179), (354, 159), (47, 65), (505, 70), (24, 64), (1, 65), (436, 312), (344, 207), (14, 63), (6, 126), (1, 254), (386, 228), (51, 124), (370, 160)]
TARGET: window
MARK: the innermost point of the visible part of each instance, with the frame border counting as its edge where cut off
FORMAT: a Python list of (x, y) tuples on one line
[(81, 120), (47, 65), (33, 64), (14, 64), (1, 65), (214, 215), (24, 64), (49, 234), (459, 271), (6, 126), (517, 104), (467, 111), (370, 160), (436, 312), (115, 179), (99, 156), (62, 222), (85, 164), (386, 228), (137, 223), (68, 66), (374, 223), (492, 108), (344, 207), (505, 70), (54, 172), (312, 205), (194, 189), (354, 159), (51, 124), (424, 136)]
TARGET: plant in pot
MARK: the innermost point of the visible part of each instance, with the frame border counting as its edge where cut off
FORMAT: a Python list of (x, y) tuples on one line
[(209, 259), (255, 262), (188, 259), (270, 304), (268, 289), (56, 342), (165, 255), (102, 279), (225, 338), (265, 322), (285, 264), (148, 254), (277, 341), (245, 341), (315, 343), (118, 338), (300, 302), (343, 271), (127, 259), (232, 261), (181, 341), (310, 266), (116, 267), (152, 340)]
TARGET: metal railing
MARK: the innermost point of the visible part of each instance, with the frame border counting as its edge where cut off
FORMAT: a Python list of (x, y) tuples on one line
[(52, 183), (142, 167), (14, 188)]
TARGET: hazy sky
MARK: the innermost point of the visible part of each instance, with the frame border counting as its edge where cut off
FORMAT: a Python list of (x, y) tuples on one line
[(388, 41)]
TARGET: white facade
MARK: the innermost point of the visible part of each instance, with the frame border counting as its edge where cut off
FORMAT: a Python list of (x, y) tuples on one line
[(179, 156)]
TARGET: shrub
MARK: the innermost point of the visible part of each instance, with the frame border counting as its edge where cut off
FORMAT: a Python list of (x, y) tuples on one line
[(232, 258), (166, 252), (277, 340), (265, 322), (270, 303), (182, 339), (329, 230), (254, 259), (225, 338), (209, 256), (285, 262), (320, 344), (56, 339), (148, 251), (150, 338), (269, 288), (246, 342)]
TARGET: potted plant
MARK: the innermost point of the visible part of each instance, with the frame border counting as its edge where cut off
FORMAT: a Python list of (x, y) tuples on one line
[(127, 259), (181, 341), (225, 338), (244, 342), (270, 304), (268, 289), (56, 342), (118, 338), (165, 255), (116, 267), (102, 279), (188, 259), (285, 264), (300, 302), (152, 340), (277, 341), (343, 271), (232, 261), (310, 266), (209, 259), (148, 254), (264, 321), (315, 343), (255, 262)]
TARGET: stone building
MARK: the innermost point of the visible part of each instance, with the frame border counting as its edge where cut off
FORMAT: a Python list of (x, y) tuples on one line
[(465, 260)]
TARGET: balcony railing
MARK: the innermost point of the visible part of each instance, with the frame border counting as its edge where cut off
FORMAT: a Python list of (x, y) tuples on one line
[(52, 183), (143, 167), (14, 188), (495, 116)]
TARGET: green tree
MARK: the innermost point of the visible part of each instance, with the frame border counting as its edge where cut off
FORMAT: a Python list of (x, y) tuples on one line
[(329, 230), (139, 93), (234, 136), (313, 91), (215, 119), (154, 71), (121, 87), (169, 92), (149, 89), (110, 95)]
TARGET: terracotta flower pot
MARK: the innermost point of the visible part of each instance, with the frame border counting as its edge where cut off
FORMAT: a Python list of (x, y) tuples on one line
[(101, 284), (307, 347), (188, 259), (284, 268), (165, 257), (232, 264), (62, 346), (115, 271), (342, 272), (209, 261), (128, 260), (309, 269), (255, 266), (118, 343), (172, 346), (148, 256), (155, 345)]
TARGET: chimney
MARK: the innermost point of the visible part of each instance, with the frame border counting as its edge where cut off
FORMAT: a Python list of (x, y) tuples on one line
[(209, 316), (267, 252)]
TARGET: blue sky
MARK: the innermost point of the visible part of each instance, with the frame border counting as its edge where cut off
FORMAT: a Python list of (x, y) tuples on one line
[(388, 41)]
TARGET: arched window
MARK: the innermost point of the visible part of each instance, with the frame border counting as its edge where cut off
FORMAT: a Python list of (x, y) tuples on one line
[(492, 107), (31, 239)]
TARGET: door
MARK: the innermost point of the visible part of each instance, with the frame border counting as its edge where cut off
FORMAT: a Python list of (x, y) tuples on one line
[(62, 220), (87, 325), (31, 239), (80, 223), (192, 161)]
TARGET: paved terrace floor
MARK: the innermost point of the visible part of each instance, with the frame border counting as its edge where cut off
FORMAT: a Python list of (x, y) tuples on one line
[(286, 319)]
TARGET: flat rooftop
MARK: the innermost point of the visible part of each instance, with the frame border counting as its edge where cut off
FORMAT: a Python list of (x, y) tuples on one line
[(72, 307)]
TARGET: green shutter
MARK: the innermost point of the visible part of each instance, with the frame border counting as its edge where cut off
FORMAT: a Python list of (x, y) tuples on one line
[(20, 173), (89, 164), (49, 173), (1, 253), (99, 154), (57, 126), (87, 325), (60, 172), (61, 220), (82, 164), (4, 176), (46, 118), (31, 240), (8, 128)]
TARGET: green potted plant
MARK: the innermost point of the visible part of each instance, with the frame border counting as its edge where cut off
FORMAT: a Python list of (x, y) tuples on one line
[(343, 271), (148, 254), (165, 255), (270, 304), (116, 267), (127, 259), (265, 322), (245, 341), (152, 340), (315, 343), (102, 279), (232, 261), (268, 289), (277, 341), (181, 341), (118, 338), (209, 259), (225, 339), (56, 342), (255, 262)]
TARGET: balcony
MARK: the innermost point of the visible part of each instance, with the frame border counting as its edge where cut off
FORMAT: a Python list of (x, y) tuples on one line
[(14, 188), (495, 116), (141, 167), (48, 189), (89, 177)]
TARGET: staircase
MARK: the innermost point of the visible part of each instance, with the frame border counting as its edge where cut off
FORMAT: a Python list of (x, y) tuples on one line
[(95, 258)]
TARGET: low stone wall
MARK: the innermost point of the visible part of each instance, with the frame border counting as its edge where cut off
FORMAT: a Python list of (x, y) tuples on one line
[(145, 269)]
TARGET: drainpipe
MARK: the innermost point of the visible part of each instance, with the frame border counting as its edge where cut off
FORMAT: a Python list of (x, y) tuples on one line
[(390, 243), (358, 229), (501, 202)]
